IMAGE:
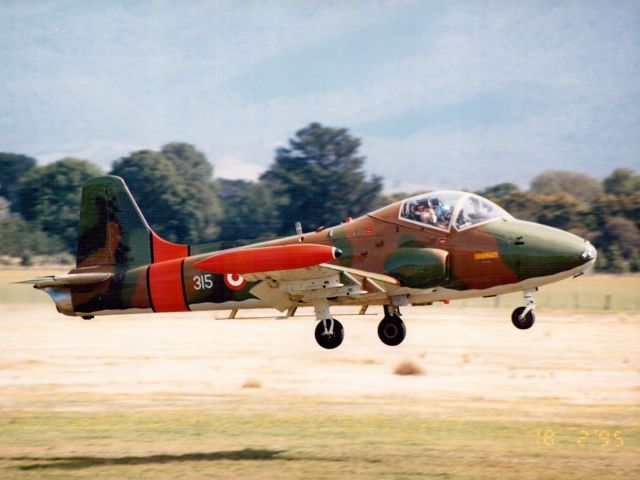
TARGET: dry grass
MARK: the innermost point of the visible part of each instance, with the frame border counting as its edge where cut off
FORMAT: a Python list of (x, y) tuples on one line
[(7, 365), (284, 440), (408, 367), (252, 383), (370, 361)]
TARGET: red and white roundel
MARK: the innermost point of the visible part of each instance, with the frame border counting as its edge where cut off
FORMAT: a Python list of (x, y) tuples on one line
[(234, 281)]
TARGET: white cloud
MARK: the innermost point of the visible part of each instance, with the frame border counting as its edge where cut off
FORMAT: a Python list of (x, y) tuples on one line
[(232, 168)]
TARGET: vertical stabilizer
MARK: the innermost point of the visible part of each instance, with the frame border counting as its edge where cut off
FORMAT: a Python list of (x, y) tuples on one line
[(112, 230)]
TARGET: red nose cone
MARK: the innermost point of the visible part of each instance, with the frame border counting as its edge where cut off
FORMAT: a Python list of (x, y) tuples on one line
[(268, 259)]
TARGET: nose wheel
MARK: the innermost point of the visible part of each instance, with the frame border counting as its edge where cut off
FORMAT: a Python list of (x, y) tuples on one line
[(523, 320), (391, 329), (523, 317)]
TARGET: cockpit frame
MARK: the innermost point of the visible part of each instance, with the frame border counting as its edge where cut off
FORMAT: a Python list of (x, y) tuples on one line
[(494, 212)]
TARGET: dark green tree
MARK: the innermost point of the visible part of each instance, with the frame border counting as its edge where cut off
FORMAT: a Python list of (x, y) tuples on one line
[(498, 191), (191, 164), (320, 179), (622, 181), (522, 205), (560, 210), (157, 189), (561, 181), (49, 197), (4, 208), (174, 190), (622, 233), (250, 210), (611, 206), (18, 236), (202, 200), (612, 260), (12, 168)]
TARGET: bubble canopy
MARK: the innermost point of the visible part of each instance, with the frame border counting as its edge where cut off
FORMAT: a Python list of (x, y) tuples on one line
[(443, 209)]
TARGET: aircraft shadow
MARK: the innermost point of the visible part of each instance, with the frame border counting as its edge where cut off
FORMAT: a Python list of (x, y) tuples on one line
[(80, 462)]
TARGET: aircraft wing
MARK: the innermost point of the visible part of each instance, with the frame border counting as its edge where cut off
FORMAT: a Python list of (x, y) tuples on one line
[(289, 274), (285, 288)]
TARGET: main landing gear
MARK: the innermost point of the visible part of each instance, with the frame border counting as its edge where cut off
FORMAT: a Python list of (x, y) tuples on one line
[(523, 317), (329, 331), (391, 329)]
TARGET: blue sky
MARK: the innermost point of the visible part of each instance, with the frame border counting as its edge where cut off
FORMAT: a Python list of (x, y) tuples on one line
[(442, 94)]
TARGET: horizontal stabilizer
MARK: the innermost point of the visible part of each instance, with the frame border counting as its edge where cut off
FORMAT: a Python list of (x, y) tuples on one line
[(269, 259), (68, 280)]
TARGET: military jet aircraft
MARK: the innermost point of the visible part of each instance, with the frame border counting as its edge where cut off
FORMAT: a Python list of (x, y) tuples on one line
[(439, 246)]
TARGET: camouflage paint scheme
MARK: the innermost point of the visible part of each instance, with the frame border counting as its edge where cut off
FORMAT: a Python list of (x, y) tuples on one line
[(149, 274)]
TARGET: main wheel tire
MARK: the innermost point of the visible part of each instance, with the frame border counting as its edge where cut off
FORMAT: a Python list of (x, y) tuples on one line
[(392, 330), (330, 341), (523, 323)]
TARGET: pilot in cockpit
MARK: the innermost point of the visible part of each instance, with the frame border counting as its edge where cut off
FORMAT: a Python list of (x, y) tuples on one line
[(425, 213), (444, 213), (430, 211)]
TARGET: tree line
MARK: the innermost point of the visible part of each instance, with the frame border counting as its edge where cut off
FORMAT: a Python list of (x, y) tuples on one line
[(318, 178)]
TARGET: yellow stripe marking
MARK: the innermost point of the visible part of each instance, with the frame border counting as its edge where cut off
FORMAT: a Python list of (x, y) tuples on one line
[(485, 255)]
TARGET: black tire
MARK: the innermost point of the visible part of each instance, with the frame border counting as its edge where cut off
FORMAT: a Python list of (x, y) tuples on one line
[(392, 330), (330, 341), (524, 323)]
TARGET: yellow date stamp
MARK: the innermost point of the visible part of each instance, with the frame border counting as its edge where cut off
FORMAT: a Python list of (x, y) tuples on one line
[(585, 437)]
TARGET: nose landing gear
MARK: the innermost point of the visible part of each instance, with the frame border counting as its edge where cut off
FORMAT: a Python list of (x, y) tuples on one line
[(391, 329), (523, 317)]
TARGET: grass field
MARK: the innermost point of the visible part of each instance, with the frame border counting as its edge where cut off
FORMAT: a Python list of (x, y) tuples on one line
[(314, 440), (186, 396)]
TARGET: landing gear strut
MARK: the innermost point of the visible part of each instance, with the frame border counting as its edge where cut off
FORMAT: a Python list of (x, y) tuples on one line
[(523, 317), (329, 331), (391, 329)]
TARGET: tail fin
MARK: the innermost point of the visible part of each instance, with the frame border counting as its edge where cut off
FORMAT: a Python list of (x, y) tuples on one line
[(112, 230)]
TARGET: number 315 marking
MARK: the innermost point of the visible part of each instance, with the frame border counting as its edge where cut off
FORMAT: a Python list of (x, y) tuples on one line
[(200, 282)]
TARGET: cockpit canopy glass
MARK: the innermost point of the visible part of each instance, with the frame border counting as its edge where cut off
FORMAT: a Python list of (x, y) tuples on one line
[(433, 209), (443, 209), (477, 210)]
